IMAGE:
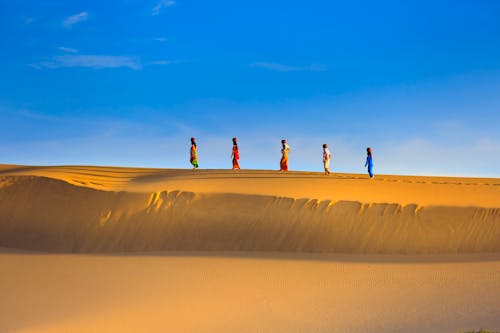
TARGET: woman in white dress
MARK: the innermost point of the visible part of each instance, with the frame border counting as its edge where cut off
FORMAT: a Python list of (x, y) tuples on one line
[(326, 159)]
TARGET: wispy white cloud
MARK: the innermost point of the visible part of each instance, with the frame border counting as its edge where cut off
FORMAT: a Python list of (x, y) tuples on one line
[(160, 5), (98, 61), (71, 20), (35, 115), (67, 49), (90, 61), (160, 62), (161, 39), (287, 68)]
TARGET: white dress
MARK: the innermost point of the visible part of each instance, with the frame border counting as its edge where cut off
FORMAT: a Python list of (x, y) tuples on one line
[(326, 158)]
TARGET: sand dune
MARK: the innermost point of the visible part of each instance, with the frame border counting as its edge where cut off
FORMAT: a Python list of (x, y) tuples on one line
[(302, 252), (110, 211)]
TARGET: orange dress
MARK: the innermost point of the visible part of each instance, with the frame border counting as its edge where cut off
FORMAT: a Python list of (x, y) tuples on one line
[(284, 158)]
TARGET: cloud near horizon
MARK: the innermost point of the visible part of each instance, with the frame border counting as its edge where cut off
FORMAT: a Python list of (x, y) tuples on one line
[(127, 144), (287, 68), (74, 19), (160, 5), (156, 138)]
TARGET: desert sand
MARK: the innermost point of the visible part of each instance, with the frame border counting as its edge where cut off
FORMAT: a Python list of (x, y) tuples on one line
[(110, 249)]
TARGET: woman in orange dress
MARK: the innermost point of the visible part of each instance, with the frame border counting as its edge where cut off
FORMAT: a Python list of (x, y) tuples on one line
[(284, 155), (235, 155)]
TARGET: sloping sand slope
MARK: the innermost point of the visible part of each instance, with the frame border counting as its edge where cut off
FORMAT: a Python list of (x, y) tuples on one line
[(113, 210)]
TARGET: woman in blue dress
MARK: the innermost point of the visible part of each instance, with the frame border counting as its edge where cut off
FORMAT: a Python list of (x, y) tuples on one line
[(369, 162)]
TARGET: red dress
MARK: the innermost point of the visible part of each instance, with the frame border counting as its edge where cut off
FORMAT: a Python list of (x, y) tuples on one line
[(236, 157)]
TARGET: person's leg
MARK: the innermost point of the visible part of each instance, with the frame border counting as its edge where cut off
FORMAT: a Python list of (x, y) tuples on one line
[(370, 171)]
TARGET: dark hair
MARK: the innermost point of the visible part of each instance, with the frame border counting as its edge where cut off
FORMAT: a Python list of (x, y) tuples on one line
[(325, 145), (369, 151), (193, 142), (235, 142)]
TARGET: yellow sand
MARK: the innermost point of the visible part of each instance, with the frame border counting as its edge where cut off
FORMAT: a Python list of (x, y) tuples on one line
[(193, 293), (439, 238)]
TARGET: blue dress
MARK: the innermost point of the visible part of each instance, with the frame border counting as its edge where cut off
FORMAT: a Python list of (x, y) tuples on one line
[(369, 163)]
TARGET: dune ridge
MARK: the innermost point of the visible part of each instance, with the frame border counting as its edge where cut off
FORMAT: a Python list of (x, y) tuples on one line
[(46, 214), (420, 190)]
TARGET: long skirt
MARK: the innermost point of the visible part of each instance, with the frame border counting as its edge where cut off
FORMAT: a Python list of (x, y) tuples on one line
[(236, 165), (194, 162), (284, 163), (326, 164)]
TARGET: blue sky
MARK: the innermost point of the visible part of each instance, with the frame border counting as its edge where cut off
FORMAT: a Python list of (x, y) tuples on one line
[(129, 82)]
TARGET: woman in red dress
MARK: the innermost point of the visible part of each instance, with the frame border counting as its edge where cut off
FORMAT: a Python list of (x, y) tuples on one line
[(235, 155)]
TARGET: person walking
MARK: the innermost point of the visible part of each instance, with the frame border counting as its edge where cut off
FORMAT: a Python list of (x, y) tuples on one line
[(193, 158), (369, 162), (235, 155), (326, 159), (284, 155)]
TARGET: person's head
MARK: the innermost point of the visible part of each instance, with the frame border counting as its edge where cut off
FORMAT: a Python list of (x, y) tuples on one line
[(235, 141), (283, 141), (193, 141), (369, 151), (325, 145)]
